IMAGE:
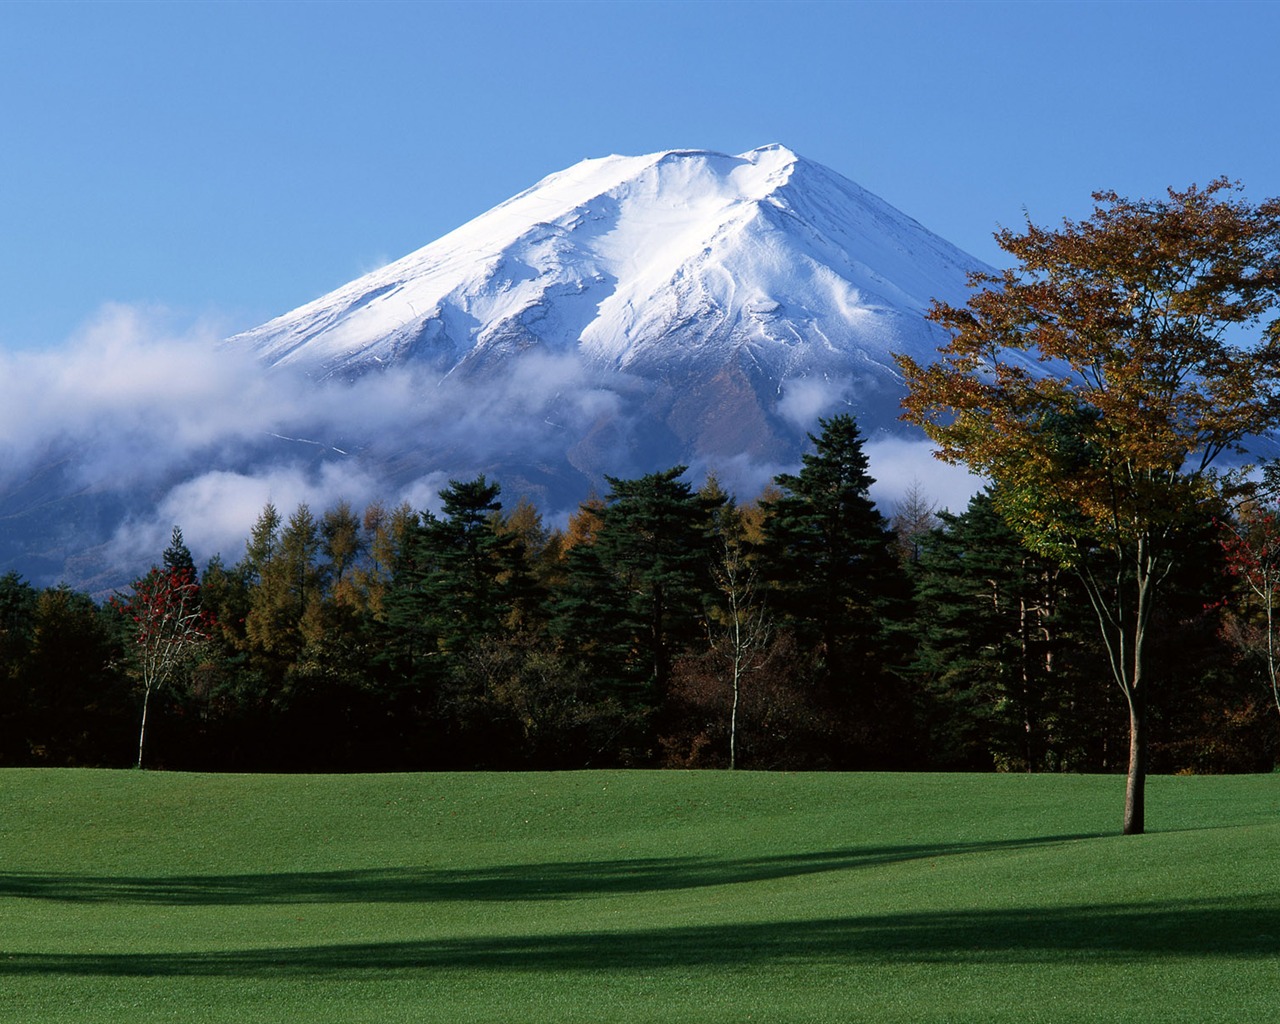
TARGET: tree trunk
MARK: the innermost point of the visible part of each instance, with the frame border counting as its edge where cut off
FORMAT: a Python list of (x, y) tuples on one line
[(142, 731), (737, 684), (1125, 636), (1135, 788)]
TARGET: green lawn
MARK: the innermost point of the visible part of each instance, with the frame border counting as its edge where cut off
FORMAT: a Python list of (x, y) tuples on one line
[(635, 896)]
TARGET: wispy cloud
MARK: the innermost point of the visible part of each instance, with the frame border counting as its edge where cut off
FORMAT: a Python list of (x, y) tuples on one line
[(173, 427), (804, 399), (184, 430)]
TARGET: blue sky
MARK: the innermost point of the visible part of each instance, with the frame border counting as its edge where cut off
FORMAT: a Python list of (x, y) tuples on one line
[(231, 161)]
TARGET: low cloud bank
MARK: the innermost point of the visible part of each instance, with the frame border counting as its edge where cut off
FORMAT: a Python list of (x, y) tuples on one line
[(183, 430), (175, 427)]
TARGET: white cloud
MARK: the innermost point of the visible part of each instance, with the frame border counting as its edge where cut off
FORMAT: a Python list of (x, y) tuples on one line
[(129, 398), (217, 509), (898, 463), (171, 425), (178, 429), (804, 399)]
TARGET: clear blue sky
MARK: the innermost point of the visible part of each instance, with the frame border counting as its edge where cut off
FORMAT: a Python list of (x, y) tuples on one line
[(234, 160)]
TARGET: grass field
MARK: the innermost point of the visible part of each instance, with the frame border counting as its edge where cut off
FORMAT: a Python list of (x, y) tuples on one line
[(634, 896)]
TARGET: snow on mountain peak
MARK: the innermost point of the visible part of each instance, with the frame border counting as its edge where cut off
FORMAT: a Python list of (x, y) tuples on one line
[(632, 260)]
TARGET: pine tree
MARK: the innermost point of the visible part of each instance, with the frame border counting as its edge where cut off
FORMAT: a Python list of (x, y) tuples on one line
[(459, 576), (993, 619), (829, 558), (17, 626), (177, 556), (635, 591)]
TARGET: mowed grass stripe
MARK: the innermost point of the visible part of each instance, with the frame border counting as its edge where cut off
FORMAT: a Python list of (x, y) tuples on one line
[(634, 896)]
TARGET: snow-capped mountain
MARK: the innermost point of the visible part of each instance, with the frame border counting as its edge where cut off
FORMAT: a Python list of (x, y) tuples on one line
[(641, 261), (622, 316), (725, 288)]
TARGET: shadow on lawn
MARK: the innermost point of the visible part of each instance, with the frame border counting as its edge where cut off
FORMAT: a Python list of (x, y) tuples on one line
[(513, 882), (1080, 934)]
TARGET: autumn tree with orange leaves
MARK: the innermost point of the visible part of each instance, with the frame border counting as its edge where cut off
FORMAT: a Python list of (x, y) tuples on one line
[(1098, 383)]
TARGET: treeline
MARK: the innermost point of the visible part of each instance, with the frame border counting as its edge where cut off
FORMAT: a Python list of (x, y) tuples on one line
[(663, 626)]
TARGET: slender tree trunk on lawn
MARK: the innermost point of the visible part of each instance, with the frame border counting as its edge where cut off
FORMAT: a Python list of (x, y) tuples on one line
[(1124, 634), (1135, 789), (737, 685), (142, 731), (1148, 572)]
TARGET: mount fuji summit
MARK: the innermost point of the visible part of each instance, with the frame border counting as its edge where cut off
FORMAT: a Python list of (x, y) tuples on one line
[(684, 306)]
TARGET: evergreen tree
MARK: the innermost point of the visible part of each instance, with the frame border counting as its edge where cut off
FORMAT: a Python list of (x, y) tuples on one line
[(229, 714), (17, 626), (461, 576), (461, 585), (635, 593), (829, 555), (177, 556), (835, 580), (17, 610), (481, 570), (77, 702), (1000, 630)]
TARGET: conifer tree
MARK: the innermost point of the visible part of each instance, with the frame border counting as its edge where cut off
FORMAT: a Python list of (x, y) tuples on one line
[(385, 537), (78, 709), (17, 625), (459, 577), (479, 572), (177, 556), (829, 557), (636, 590), (263, 542), (342, 546), (286, 589), (993, 619)]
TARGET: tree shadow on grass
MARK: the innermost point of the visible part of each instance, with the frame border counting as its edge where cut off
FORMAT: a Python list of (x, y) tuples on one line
[(1079, 934), (510, 882)]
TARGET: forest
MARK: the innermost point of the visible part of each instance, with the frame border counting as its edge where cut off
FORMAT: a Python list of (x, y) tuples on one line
[(663, 625)]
